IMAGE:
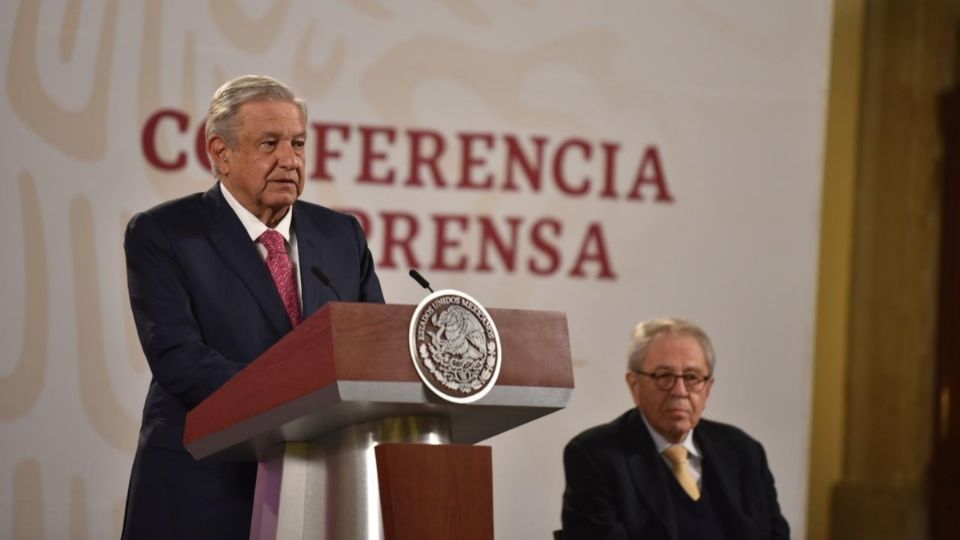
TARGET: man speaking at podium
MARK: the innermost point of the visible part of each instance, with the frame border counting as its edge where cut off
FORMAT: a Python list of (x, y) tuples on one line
[(659, 472), (215, 279)]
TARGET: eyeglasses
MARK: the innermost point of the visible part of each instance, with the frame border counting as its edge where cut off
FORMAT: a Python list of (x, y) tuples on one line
[(666, 380)]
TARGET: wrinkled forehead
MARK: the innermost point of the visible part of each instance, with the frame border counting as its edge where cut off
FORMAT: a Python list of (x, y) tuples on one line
[(269, 110), (675, 352)]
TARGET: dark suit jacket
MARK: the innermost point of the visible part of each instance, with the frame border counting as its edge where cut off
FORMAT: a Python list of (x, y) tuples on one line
[(205, 306), (617, 484)]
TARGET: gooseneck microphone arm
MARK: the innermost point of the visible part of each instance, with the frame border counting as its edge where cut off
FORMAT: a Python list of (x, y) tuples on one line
[(419, 279), (325, 280)]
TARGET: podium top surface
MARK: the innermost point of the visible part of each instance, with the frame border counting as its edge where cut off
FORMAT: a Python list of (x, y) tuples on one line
[(349, 363)]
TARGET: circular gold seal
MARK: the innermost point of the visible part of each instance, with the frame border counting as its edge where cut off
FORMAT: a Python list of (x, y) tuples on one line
[(455, 346)]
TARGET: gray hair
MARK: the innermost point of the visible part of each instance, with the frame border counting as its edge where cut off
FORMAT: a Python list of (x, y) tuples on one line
[(227, 100), (645, 332)]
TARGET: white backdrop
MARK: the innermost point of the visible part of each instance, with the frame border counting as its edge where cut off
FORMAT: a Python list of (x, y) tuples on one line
[(713, 113)]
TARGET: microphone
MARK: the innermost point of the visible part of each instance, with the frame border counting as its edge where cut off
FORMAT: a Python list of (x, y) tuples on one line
[(419, 279), (325, 280)]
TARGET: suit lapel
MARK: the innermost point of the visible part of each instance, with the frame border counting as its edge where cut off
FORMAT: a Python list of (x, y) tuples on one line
[(233, 244), (648, 472), (721, 469), (309, 253)]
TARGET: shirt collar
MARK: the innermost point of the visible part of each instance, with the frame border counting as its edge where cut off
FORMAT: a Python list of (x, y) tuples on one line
[(662, 444), (251, 223)]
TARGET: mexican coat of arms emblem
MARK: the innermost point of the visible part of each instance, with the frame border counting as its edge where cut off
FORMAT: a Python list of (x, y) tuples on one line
[(455, 346)]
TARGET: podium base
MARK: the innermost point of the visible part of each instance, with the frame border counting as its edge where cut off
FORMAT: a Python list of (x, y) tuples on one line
[(327, 489), (436, 492)]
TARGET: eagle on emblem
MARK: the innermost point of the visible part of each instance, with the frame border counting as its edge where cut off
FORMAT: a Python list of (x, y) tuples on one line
[(458, 334)]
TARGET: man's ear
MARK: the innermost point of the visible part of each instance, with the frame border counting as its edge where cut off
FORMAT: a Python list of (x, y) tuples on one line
[(219, 155), (631, 380)]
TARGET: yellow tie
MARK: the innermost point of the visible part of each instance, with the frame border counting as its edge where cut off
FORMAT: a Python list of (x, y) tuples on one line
[(677, 455)]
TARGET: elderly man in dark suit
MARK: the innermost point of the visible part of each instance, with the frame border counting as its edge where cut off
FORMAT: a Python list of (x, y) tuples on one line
[(217, 278), (661, 472)]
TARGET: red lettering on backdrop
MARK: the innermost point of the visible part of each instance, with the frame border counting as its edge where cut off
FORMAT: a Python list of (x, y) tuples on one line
[(369, 156), (550, 251), (609, 170), (148, 139), (470, 161), (443, 244), (532, 168), (420, 157), (594, 248), (490, 238), (324, 153), (650, 160), (400, 231), (559, 176), (378, 144), (499, 241), (393, 239)]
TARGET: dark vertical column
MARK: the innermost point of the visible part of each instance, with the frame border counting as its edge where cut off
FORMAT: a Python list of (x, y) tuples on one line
[(945, 477)]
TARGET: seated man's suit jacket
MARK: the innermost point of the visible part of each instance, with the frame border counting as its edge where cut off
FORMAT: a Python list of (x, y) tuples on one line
[(616, 484), (205, 306)]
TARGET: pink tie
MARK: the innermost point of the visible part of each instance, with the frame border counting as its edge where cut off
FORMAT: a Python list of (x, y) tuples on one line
[(281, 268)]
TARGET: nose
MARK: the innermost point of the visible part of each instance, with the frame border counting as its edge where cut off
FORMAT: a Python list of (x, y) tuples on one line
[(680, 388), (287, 156)]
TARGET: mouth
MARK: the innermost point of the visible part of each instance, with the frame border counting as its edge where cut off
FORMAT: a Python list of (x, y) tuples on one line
[(676, 409), (284, 182)]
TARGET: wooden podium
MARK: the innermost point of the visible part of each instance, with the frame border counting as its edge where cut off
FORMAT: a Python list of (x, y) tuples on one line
[(339, 398)]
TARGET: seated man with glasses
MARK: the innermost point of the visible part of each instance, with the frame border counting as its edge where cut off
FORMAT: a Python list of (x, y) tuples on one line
[(659, 471)]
